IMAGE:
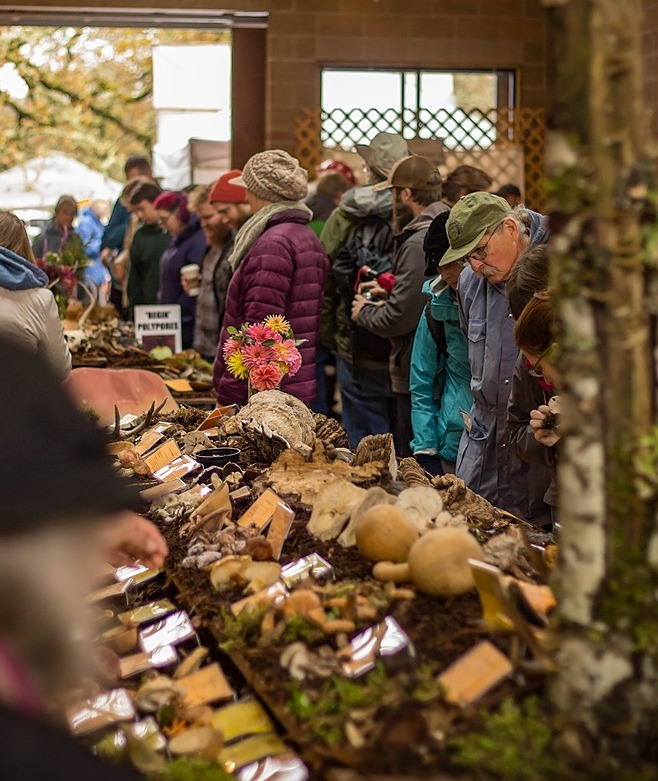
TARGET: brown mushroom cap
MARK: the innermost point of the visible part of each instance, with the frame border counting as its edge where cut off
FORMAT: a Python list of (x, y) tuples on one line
[(438, 562), (302, 602), (385, 533)]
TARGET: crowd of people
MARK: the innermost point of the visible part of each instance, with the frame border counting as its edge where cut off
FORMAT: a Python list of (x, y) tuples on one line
[(421, 290), (430, 296)]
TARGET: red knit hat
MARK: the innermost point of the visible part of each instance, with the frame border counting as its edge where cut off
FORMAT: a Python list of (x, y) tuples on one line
[(223, 192), (172, 201)]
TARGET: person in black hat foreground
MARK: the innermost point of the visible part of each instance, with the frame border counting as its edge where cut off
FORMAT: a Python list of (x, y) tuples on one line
[(63, 511)]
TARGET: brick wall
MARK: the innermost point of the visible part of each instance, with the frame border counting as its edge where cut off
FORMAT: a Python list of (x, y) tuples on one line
[(304, 35)]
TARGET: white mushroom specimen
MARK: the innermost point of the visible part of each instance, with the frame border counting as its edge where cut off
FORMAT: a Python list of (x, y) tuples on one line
[(191, 663), (438, 562), (422, 504), (332, 508), (239, 570), (202, 742), (385, 533), (227, 573), (373, 497), (261, 574), (156, 693)]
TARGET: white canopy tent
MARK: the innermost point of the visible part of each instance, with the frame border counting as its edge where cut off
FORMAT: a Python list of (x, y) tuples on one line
[(39, 183), (200, 161)]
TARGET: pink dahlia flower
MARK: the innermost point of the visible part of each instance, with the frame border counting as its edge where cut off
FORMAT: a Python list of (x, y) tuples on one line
[(265, 377)]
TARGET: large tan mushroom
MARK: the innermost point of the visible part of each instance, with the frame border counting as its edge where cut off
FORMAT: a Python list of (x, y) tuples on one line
[(422, 504), (156, 693), (202, 742), (371, 498), (438, 562), (332, 508), (385, 533)]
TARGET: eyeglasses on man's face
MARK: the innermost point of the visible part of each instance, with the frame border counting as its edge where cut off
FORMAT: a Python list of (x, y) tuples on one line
[(479, 254)]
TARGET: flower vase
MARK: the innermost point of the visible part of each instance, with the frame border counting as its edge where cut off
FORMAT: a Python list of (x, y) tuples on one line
[(251, 391)]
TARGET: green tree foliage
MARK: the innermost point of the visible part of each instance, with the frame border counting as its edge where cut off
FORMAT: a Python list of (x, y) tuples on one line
[(89, 92)]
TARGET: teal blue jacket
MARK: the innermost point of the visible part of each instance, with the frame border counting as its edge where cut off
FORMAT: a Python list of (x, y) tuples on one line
[(440, 386)]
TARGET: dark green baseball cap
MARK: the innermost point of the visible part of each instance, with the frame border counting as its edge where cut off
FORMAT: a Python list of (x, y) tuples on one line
[(470, 218)]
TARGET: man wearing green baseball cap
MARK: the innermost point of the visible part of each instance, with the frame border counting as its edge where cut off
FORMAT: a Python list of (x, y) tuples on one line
[(486, 233)]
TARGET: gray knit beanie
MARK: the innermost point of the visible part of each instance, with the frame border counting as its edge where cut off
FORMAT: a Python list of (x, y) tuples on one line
[(274, 176)]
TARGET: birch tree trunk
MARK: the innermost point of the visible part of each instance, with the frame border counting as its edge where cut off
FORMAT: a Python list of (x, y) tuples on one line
[(603, 275)]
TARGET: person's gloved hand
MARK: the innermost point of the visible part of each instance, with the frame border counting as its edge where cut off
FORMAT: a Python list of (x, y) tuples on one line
[(430, 463)]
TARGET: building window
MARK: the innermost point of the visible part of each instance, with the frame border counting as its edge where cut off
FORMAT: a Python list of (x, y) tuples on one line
[(458, 106)]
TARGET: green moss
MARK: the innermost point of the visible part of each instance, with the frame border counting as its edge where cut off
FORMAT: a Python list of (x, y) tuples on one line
[(646, 465), (514, 744), (325, 709), (299, 628), (240, 631), (426, 687), (627, 603)]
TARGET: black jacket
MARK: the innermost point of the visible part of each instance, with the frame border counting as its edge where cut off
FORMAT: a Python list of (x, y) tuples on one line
[(33, 751), (527, 395)]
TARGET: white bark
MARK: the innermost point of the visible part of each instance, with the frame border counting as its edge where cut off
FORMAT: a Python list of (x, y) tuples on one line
[(582, 489)]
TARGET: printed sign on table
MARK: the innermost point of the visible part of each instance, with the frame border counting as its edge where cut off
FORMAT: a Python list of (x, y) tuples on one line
[(159, 326)]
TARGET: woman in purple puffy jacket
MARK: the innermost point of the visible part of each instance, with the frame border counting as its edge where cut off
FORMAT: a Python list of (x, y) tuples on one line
[(188, 245), (279, 269)]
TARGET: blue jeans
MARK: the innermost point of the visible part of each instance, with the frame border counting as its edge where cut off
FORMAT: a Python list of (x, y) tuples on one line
[(369, 408), (322, 403)]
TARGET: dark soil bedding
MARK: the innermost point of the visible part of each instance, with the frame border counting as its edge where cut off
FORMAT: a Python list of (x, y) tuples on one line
[(441, 631)]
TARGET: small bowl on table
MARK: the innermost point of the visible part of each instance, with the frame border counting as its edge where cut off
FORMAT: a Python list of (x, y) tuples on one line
[(217, 456)]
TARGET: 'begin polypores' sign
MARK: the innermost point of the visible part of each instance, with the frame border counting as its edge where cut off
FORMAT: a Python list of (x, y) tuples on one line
[(159, 326)]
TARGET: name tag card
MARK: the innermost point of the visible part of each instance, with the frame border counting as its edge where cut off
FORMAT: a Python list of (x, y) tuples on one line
[(474, 674), (282, 520), (164, 455), (177, 469), (208, 684), (261, 511)]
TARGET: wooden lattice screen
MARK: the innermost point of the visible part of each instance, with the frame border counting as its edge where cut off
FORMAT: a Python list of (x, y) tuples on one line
[(485, 136)]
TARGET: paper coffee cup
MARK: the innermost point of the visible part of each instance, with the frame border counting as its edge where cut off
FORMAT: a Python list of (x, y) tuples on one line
[(191, 273)]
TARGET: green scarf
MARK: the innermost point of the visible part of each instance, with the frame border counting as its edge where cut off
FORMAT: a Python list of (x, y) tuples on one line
[(255, 226)]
